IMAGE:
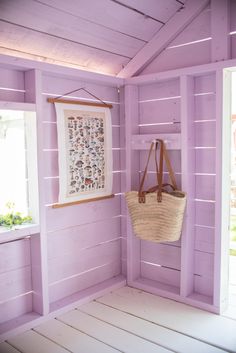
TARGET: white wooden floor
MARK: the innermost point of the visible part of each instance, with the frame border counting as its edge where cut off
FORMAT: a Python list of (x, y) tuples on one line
[(132, 321)]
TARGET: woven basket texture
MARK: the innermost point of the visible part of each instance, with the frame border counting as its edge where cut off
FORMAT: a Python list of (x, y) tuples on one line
[(157, 221)]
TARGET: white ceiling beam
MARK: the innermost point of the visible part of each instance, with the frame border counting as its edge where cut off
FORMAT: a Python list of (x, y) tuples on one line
[(164, 36), (220, 28)]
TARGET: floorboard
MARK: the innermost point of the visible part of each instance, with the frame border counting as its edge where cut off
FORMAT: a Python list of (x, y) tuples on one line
[(130, 321), (71, 339), (147, 330), (113, 336), (202, 325)]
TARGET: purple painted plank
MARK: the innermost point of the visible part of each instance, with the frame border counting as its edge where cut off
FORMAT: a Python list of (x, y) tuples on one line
[(14, 255), (160, 111), (163, 89), (203, 84), (161, 254), (12, 96), (15, 308), (73, 285), (175, 158), (82, 236), (205, 161), (61, 85), (12, 79), (232, 16), (75, 263), (205, 107), (205, 134), (204, 239), (15, 283), (198, 29), (205, 213), (180, 57), (71, 216), (203, 285), (205, 187), (160, 274), (203, 264)]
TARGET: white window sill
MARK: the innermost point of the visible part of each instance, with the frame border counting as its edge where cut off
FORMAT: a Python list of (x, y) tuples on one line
[(18, 232)]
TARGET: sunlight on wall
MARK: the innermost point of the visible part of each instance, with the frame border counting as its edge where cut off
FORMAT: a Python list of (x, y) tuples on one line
[(13, 176)]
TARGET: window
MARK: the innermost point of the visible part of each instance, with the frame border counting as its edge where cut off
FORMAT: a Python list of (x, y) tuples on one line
[(18, 156)]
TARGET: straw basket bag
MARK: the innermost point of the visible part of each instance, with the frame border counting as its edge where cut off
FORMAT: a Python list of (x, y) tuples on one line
[(157, 214)]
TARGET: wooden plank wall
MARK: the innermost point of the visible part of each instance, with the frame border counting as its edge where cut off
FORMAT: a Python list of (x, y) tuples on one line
[(159, 107), (193, 45), (15, 257), (84, 241)]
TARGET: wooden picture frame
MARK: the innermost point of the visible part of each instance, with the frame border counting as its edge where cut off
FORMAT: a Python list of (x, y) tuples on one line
[(84, 152)]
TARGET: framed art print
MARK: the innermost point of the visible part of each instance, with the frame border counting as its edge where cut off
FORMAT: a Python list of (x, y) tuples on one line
[(84, 152)]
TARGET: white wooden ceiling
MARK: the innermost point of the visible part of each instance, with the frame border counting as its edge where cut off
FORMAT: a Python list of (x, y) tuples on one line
[(94, 35)]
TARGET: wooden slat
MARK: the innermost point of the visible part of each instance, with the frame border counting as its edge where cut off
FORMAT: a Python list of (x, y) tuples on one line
[(161, 39), (113, 336), (205, 134), (24, 43), (190, 321), (199, 54), (73, 263), (205, 107), (6, 348), (162, 12), (205, 187), (72, 101), (160, 112), (198, 29), (204, 285), (160, 274), (204, 264), (158, 90), (31, 341), (68, 27), (72, 339), (160, 254), (58, 85), (75, 284), (15, 308), (205, 83), (14, 255), (204, 239), (205, 161), (83, 236), (15, 283), (147, 330), (205, 213), (81, 214)]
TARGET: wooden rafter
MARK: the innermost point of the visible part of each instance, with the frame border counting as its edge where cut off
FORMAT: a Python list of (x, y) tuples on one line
[(163, 37)]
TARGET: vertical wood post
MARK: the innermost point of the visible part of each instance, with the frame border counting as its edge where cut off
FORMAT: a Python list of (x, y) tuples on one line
[(33, 85), (132, 168), (188, 184), (222, 188)]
